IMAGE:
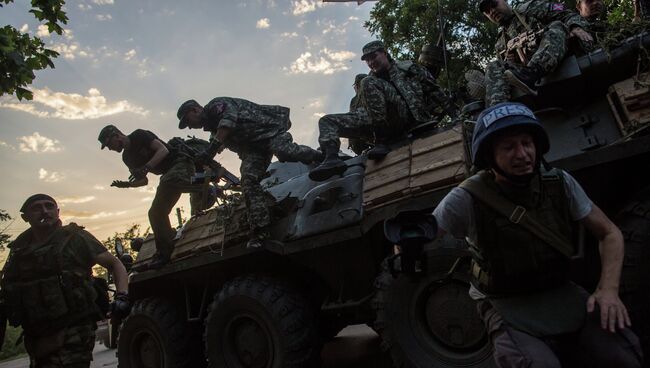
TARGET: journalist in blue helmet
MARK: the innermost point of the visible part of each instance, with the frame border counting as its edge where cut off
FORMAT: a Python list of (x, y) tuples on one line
[(520, 220)]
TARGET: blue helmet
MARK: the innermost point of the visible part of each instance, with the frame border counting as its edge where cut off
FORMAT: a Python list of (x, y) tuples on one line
[(503, 116)]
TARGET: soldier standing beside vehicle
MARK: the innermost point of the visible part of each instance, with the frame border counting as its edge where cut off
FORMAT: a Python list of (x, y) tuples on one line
[(521, 220), (143, 152), (531, 44), (47, 286), (256, 133), (396, 96)]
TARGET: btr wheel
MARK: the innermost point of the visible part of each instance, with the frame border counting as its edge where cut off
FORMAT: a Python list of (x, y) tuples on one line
[(258, 322), (155, 336), (430, 321)]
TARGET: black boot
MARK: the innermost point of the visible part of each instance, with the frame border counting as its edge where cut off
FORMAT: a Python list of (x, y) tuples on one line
[(158, 261), (331, 165), (378, 152), (524, 78)]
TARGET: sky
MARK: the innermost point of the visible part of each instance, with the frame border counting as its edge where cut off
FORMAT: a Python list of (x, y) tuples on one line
[(131, 63)]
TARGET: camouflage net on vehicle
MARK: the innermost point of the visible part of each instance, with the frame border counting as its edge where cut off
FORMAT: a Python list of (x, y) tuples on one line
[(615, 34)]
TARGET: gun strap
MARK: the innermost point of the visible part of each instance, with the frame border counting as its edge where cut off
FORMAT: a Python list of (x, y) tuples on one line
[(522, 20), (517, 215)]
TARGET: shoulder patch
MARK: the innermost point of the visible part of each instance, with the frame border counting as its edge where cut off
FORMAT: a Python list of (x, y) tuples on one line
[(557, 7)]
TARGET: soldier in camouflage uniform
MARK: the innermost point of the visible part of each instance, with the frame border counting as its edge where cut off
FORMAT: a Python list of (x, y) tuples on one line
[(47, 287), (354, 125), (256, 133), (593, 11), (143, 152), (530, 16), (397, 95)]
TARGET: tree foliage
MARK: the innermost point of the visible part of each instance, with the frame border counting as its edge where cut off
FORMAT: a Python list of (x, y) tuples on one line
[(22, 54), (134, 231), (406, 25), (4, 237)]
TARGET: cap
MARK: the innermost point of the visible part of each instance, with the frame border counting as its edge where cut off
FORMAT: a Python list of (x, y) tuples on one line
[(431, 55), (106, 133), (34, 198), (185, 107), (358, 78), (371, 47)]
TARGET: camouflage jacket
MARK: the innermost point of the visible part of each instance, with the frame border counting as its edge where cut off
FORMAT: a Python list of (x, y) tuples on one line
[(538, 14), (249, 121), (417, 86), (355, 103)]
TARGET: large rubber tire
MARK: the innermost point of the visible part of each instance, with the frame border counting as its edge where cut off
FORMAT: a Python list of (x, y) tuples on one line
[(430, 321), (634, 222), (257, 321), (155, 335)]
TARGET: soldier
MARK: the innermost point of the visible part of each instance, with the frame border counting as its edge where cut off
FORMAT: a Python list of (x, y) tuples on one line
[(355, 125), (396, 95), (143, 152), (591, 10), (47, 287), (432, 58), (521, 222), (549, 23), (256, 133)]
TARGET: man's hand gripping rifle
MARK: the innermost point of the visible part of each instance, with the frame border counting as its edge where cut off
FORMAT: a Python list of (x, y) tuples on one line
[(524, 45)]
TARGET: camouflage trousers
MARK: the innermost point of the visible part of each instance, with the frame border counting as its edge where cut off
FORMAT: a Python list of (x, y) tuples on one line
[(255, 159), (354, 124), (71, 347), (388, 112), (551, 51), (591, 346), (173, 183)]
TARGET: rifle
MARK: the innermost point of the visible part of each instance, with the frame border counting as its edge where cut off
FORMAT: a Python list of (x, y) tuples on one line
[(217, 170), (524, 44)]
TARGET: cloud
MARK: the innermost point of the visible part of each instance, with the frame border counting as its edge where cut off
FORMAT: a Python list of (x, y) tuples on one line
[(68, 215), (84, 7), (42, 31), (289, 35), (49, 177), (24, 28), (146, 199), (327, 62), (305, 6), (6, 145), (75, 200), (103, 17), (315, 103), (353, 18), (99, 187), (263, 23), (147, 189), (71, 106), (38, 144), (129, 54), (104, 2), (318, 114)]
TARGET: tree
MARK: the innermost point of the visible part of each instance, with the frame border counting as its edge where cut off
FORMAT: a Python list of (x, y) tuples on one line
[(22, 54), (406, 25), (4, 237)]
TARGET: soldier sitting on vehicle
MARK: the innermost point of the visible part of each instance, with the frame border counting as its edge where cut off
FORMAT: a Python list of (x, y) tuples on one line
[(593, 11), (143, 152), (396, 96), (256, 133), (521, 221), (531, 44), (47, 287)]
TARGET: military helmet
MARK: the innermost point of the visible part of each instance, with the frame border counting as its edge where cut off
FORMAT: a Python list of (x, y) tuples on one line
[(431, 56), (497, 119), (371, 47), (106, 133)]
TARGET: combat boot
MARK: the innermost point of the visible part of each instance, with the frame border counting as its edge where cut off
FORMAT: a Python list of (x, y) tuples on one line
[(524, 78), (258, 237), (158, 261), (331, 165)]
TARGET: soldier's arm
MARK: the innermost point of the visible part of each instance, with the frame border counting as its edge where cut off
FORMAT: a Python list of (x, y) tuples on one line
[(613, 313), (160, 152), (116, 268)]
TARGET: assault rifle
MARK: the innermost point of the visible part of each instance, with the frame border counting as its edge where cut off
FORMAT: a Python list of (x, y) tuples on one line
[(524, 44), (217, 170)]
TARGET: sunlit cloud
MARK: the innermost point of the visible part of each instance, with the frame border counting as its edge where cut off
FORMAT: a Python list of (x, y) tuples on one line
[(104, 2), (129, 54), (327, 62), (315, 103), (49, 177), (6, 145), (75, 200), (305, 6), (99, 187), (263, 23), (147, 189), (42, 31), (289, 34), (84, 7), (87, 215), (318, 114), (24, 28), (38, 144), (103, 17), (71, 106), (146, 199)]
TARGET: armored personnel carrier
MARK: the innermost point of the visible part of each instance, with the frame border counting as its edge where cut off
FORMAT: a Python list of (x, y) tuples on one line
[(274, 306)]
